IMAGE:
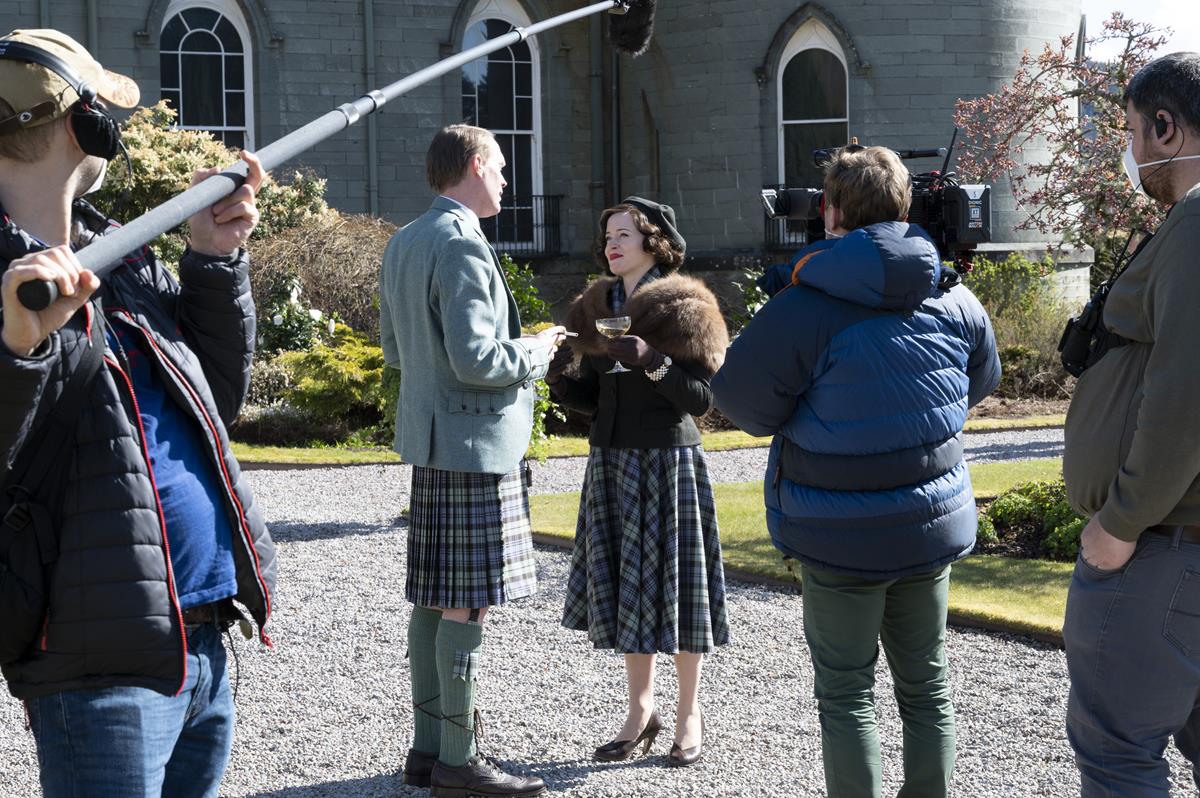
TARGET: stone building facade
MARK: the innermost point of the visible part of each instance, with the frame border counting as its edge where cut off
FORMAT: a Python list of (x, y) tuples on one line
[(731, 97)]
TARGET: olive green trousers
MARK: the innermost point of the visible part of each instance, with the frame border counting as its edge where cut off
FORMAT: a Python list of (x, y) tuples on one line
[(845, 619)]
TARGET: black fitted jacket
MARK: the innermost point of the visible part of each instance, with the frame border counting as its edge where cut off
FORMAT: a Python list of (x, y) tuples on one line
[(631, 411)]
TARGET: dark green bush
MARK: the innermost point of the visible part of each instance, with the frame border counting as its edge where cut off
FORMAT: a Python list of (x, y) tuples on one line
[(753, 298), (1033, 519), (1028, 319), (1062, 542), (534, 311), (535, 315), (986, 535)]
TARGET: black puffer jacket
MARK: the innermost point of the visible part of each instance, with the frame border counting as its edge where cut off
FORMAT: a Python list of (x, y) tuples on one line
[(114, 617)]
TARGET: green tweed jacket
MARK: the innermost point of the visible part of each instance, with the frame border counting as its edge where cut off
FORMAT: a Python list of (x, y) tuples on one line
[(449, 323)]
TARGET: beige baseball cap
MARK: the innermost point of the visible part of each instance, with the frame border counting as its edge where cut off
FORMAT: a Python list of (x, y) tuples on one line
[(38, 94)]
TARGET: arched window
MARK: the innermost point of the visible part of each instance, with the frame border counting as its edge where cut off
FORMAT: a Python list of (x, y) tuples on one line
[(502, 93), (205, 69), (813, 96)]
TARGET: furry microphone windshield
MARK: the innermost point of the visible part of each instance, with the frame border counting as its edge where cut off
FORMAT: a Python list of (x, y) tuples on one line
[(630, 32)]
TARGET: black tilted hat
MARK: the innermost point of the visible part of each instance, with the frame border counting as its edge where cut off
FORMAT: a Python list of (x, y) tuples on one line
[(661, 215)]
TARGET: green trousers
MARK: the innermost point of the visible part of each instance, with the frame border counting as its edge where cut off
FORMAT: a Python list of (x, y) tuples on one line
[(845, 618)]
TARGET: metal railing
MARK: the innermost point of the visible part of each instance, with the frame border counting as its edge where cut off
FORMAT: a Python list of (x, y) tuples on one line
[(527, 227), (782, 233)]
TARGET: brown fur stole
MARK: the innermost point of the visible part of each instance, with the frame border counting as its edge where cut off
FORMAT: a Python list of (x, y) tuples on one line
[(677, 315)]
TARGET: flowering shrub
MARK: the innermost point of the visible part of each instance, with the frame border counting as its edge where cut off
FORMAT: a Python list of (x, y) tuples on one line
[(1071, 107), (335, 259), (288, 324)]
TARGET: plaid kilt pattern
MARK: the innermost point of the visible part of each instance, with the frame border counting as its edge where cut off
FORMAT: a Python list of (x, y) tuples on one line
[(646, 573), (470, 543)]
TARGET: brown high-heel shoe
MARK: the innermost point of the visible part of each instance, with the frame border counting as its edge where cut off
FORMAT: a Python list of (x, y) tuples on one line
[(682, 757), (619, 750)]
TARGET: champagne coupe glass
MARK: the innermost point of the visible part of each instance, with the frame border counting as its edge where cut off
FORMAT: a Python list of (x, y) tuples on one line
[(611, 328)]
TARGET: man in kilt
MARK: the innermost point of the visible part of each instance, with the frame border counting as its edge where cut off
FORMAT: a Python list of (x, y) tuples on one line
[(450, 324)]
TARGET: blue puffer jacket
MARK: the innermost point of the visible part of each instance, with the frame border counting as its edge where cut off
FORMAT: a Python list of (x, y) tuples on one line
[(864, 373), (778, 276)]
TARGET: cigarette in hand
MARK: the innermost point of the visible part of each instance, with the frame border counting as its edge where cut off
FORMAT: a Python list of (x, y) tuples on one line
[(572, 334)]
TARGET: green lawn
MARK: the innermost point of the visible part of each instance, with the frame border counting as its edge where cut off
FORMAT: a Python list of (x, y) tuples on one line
[(1023, 595), (315, 456), (1029, 422), (992, 479)]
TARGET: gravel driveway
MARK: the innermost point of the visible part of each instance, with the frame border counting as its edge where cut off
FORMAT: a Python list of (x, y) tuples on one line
[(325, 713)]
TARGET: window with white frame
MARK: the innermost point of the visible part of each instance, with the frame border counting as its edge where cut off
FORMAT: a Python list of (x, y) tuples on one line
[(813, 97), (204, 63), (502, 92)]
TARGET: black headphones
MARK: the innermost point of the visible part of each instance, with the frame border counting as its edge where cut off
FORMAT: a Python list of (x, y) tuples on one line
[(96, 131)]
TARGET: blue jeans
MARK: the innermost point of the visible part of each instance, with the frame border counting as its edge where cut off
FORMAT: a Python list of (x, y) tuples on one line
[(133, 742), (1133, 653)]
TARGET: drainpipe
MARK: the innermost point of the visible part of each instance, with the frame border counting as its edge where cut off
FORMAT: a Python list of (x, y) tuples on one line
[(596, 81), (372, 131), (616, 126), (93, 30)]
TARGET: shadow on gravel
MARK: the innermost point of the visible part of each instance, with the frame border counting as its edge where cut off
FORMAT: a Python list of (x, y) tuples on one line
[(389, 785), (299, 532), (565, 774), (1033, 450)]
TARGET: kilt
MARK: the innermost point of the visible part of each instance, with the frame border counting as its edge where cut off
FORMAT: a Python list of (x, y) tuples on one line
[(646, 573), (470, 543)]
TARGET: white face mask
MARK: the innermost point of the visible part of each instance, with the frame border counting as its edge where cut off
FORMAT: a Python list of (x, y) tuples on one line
[(1132, 167)]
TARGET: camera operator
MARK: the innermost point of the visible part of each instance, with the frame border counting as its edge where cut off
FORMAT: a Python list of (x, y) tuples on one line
[(863, 370), (1132, 624)]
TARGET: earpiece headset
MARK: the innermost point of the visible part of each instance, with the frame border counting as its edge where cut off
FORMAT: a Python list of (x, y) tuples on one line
[(1160, 126), (96, 131)]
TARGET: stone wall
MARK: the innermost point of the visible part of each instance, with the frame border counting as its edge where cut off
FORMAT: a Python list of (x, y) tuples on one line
[(694, 124)]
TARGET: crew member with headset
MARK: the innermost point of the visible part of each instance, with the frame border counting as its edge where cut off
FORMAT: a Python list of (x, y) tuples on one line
[(127, 530), (1132, 465)]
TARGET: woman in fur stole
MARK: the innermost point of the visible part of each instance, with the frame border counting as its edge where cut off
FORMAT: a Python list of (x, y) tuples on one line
[(646, 574)]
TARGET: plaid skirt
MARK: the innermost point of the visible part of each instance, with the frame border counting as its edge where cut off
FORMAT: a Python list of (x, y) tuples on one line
[(470, 543), (646, 573)]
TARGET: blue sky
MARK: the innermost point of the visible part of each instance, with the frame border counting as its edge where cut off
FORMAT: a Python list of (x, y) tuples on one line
[(1181, 15)]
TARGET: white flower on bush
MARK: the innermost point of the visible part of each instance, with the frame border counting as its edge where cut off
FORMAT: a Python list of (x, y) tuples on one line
[(330, 327), (294, 299), (277, 320), (314, 314)]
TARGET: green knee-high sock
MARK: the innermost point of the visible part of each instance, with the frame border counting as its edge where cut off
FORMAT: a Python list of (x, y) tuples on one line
[(426, 691), (458, 649)]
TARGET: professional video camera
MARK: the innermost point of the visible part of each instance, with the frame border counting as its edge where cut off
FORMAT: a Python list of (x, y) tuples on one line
[(957, 217)]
